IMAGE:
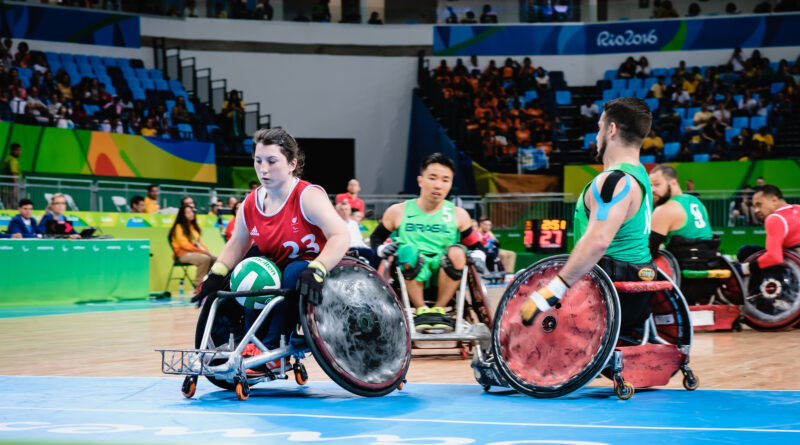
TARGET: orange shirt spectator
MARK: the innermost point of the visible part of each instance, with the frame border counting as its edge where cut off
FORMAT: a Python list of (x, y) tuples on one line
[(523, 136)]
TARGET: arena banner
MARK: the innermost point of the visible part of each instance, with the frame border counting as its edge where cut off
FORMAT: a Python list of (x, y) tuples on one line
[(50, 150), (727, 175), (70, 25), (618, 37), (82, 220)]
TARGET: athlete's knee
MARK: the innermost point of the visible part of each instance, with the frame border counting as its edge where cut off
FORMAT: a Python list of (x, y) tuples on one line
[(453, 261), (410, 261)]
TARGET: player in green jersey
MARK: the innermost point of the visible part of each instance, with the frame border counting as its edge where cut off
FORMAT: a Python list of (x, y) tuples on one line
[(431, 237), (612, 216)]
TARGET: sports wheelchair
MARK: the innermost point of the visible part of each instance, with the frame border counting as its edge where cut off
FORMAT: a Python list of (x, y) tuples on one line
[(358, 335), (710, 283), (773, 294), (472, 318), (570, 345)]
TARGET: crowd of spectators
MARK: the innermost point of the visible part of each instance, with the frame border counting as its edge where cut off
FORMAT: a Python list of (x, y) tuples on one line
[(715, 99), (498, 110), (53, 98)]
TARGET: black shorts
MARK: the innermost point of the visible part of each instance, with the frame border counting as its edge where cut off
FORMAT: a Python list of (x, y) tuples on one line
[(636, 308)]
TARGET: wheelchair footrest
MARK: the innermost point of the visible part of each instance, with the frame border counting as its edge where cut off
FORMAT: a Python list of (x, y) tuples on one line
[(650, 365), (712, 273), (186, 361), (711, 317)]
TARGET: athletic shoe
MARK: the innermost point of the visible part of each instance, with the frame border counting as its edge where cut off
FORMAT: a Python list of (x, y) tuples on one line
[(252, 350), (423, 319), (441, 320)]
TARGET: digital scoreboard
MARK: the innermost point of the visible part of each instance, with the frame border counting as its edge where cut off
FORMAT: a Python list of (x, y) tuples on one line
[(545, 235)]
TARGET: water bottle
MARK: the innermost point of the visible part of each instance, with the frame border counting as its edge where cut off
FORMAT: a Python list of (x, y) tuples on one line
[(180, 293)]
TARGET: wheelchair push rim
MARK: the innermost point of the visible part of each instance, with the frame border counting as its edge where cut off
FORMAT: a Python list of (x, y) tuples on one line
[(773, 294), (358, 334), (564, 348), (667, 262)]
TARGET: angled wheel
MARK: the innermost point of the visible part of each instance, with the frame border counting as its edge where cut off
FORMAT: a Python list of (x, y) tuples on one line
[(691, 382), (300, 374), (564, 348), (242, 391), (773, 295), (229, 319), (189, 386), (624, 390), (668, 264)]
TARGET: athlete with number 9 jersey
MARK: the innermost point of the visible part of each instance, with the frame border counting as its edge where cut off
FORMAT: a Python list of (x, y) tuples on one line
[(293, 223)]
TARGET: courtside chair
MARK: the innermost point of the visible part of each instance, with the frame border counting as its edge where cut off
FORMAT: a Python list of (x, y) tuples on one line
[(183, 270)]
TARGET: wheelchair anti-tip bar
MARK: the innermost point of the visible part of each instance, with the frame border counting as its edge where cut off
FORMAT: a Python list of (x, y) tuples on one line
[(255, 293)]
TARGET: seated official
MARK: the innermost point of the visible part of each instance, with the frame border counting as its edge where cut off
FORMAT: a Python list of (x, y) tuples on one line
[(356, 240), (187, 245), (431, 237), (782, 224), (137, 204), (54, 222), (24, 224)]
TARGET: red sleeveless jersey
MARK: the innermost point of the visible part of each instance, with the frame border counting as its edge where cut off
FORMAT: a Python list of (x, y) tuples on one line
[(285, 235), (783, 232)]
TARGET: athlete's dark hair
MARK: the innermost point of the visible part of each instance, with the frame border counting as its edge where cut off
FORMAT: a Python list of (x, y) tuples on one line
[(666, 170), (632, 116), (769, 190), (280, 137), (438, 158)]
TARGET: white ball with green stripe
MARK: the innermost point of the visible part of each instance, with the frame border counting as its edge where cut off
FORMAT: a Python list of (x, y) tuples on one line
[(255, 273)]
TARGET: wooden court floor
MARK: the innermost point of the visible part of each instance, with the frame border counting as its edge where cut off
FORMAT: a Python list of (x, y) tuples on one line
[(122, 343)]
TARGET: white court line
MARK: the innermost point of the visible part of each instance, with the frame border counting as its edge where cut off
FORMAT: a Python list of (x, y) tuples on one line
[(396, 419)]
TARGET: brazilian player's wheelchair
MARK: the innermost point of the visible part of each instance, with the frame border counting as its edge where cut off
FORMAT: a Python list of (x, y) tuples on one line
[(358, 335), (710, 283), (568, 346), (773, 294), (472, 318)]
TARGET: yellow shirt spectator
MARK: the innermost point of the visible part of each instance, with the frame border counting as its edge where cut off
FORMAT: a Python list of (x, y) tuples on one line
[(150, 205), (765, 138), (652, 144), (690, 87), (149, 132)]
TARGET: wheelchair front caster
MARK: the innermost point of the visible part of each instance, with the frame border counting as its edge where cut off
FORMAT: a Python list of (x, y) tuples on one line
[(400, 386), (691, 382), (624, 391), (300, 374), (242, 390), (189, 386), (486, 388)]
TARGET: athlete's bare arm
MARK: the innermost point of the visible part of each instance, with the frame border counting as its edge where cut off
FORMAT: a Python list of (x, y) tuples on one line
[(463, 220), (599, 233), (319, 211), (238, 245), (393, 216), (667, 218)]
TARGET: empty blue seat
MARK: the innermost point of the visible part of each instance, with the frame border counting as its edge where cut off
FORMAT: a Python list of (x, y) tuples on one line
[(185, 131), (161, 85), (587, 138), (655, 72), (599, 104), (738, 97), (691, 112), (175, 85), (652, 103), (740, 122), (66, 58), (133, 83), (609, 95), (85, 70), (681, 111), (109, 61), (635, 83), (189, 106), (563, 97), (128, 72), (730, 133), (156, 74), (757, 122), (610, 75), (110, 89), (147, 84), (687, 122), (626, 93), (248, 145), (142, 73), (640, 93), (775, 87), (25, 72), (647, 159), (701, 158), (619, 84), (95, 60), (170, 104), (671, 149), (649, 82), (530, 95), (138, 93), (81, 58), (123, 62)]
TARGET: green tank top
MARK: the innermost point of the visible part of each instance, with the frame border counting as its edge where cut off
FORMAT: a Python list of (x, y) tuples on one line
[(696, 225), (430, 233), (631, 243)]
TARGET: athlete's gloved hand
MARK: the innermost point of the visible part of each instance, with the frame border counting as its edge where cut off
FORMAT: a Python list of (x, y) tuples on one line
[(311, 281), (213, 282), (387, 250), (478, 259), (543, 299)]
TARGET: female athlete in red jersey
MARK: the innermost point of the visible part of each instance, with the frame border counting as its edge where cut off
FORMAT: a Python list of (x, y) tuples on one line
[(292, 222)]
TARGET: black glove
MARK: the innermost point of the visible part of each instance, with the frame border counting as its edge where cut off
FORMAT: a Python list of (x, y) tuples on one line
[(213, 282), (386, 250), (311, 281)]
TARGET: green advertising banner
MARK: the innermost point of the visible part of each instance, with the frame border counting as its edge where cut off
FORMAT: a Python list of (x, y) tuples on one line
[(57, 271), (726, 175), (113, 219)]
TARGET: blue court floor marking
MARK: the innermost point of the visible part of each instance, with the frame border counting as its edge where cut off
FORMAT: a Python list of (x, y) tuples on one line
[(69, 309), (152, 410)]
